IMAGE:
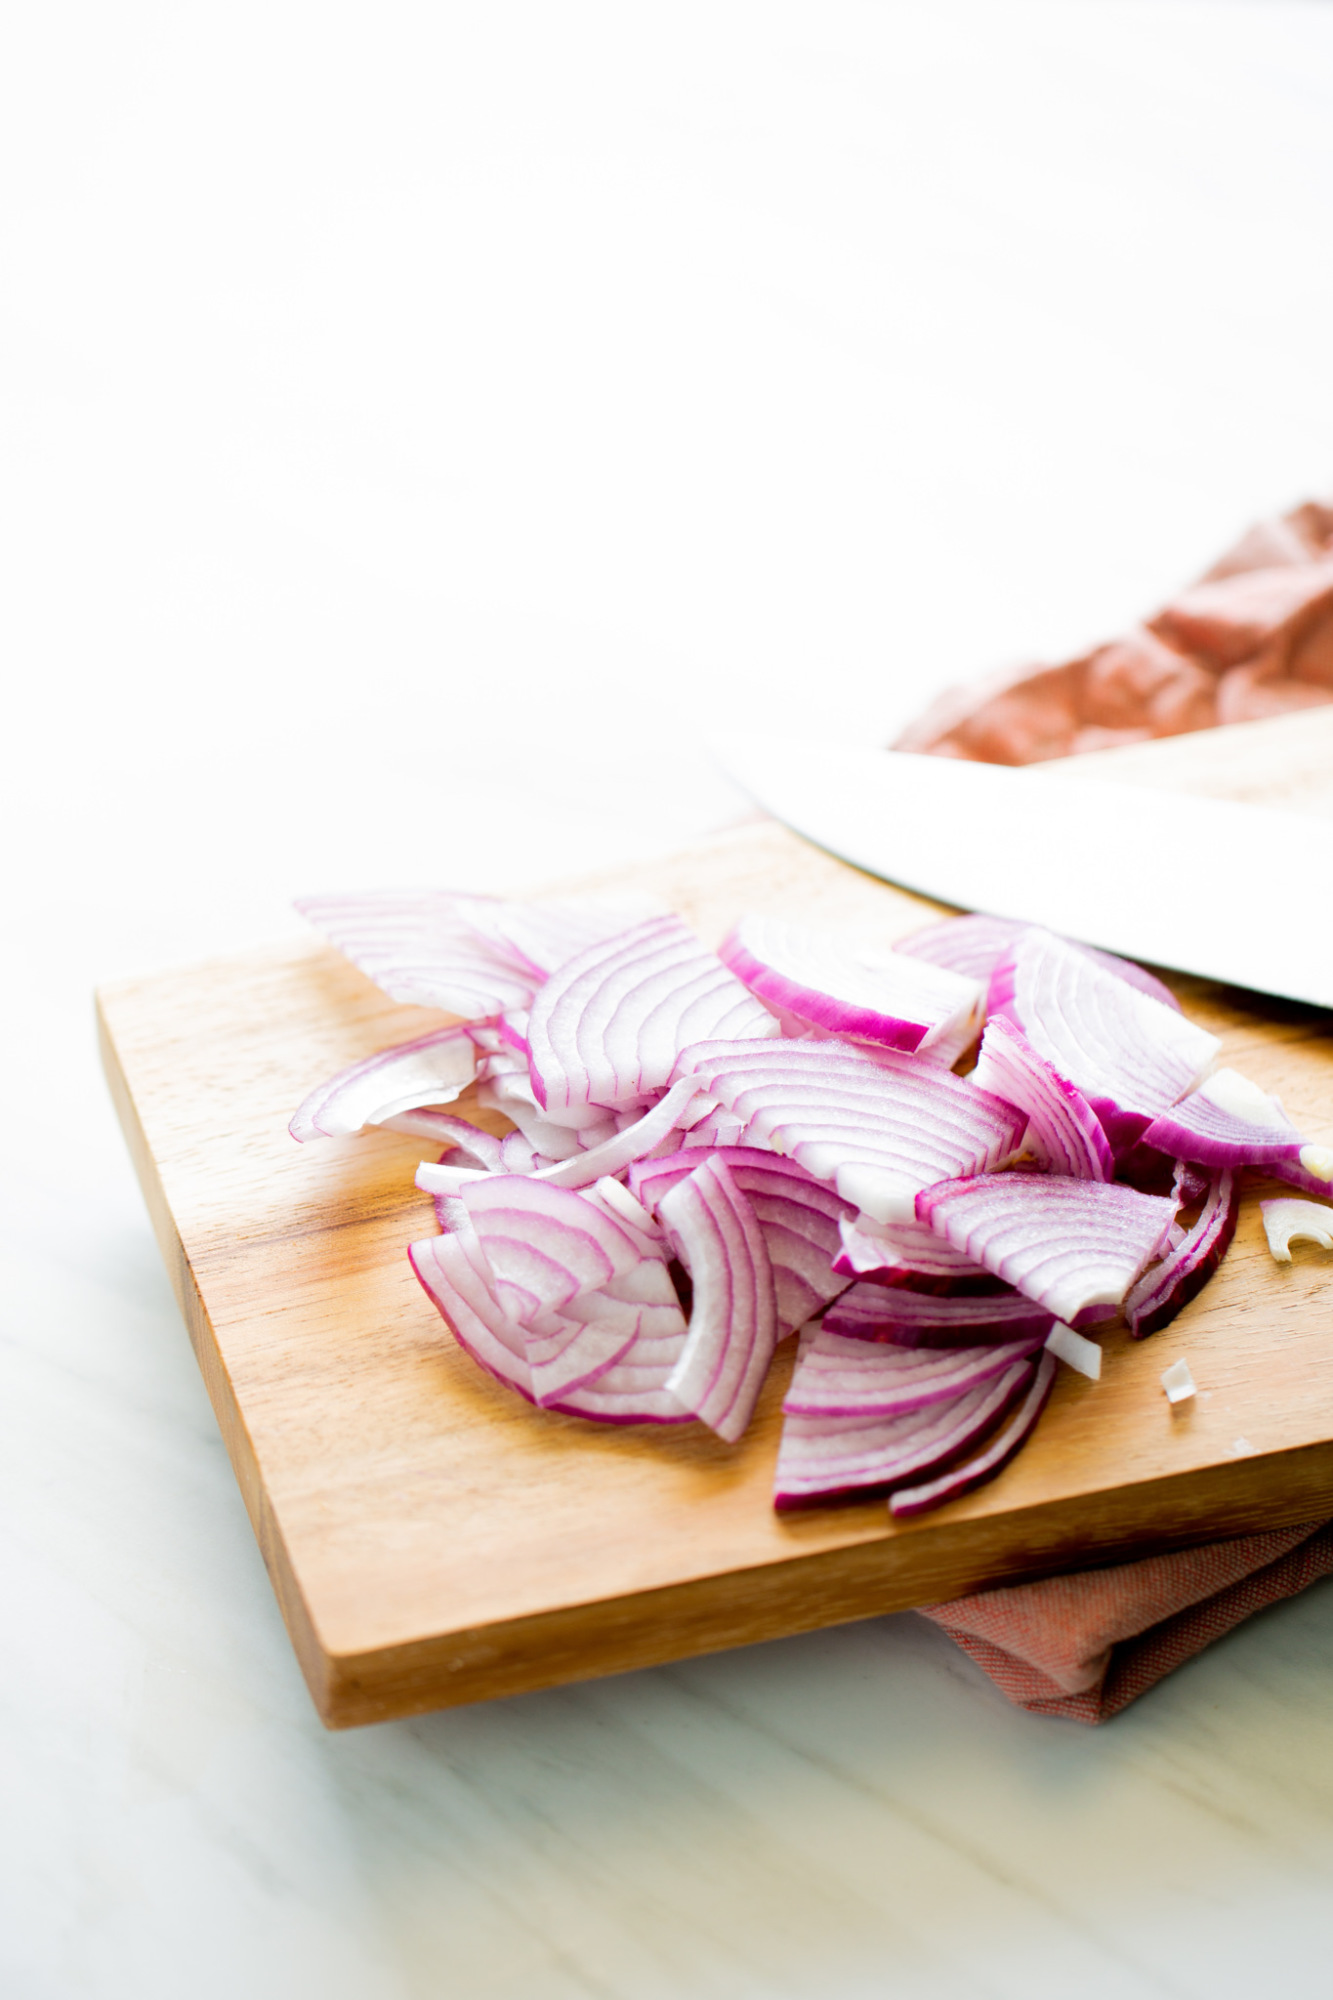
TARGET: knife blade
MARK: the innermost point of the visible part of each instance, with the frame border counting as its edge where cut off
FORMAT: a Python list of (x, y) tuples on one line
[(1229, 891)]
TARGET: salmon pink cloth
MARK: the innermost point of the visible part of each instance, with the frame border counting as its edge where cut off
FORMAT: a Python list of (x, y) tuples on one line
[(1253, 637), (1087, 1645)]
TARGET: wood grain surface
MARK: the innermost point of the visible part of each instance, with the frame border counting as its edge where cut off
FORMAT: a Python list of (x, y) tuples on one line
[(432, 1539)]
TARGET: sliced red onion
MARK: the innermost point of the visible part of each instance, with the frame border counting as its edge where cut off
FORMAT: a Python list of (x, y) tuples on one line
[(517, 1217), (464, 1298), (633, 1390), (426, 947), (633, 1142), (817, 978), (1182, 1274), (911, 1500), (879, 1127), (837, 1458), (433, 1069), (482, 1149), (1066, 1244), (607, 1028), (733, 1317), (1064, 1133), (1228, 1122), (871, 1312), (544, 936), (798, 1215), (974, 946), (510, 1092), (1288, 1221), (1131, 1056), (909, 1256), (569, 1352), (835, 1377), (716, 1128)]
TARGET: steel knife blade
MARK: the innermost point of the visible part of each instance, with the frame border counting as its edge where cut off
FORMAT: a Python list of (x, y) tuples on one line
[(1229, 891)]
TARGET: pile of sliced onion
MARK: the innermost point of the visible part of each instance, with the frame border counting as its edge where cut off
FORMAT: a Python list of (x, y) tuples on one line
[(710, 1153)]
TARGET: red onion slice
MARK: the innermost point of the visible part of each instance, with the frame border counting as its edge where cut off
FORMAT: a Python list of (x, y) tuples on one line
[(1130, 1056), (1228, 1122), (799, 1217), (909, 1256), (871, 1312), (463, 1296), (633, 1390), (733, 1317), (425, 947), (851, 1458), (433, 1069), (911, 1500), (606, 1029), (1068, 1245), (1064, 1133), (816, 977), (835, 1377), (879, 1127), (974, 946), (570, 1352), (1162, 1291)]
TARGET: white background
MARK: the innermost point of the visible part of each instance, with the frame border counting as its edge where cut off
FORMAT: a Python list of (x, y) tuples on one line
[(423, 428)]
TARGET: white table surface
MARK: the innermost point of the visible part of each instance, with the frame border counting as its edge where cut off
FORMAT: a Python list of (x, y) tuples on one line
[(423, 426)]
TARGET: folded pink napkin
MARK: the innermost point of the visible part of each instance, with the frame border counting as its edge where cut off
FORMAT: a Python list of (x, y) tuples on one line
[(1087, 1645)]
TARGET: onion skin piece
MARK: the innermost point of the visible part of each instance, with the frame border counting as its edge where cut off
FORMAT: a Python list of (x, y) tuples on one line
[(873, 1312), (1163, 1291), (433, 1069), (1064, 1133), (1068, 1245), (814, 977), (733, 1316), (909, 1501), (825, 1459)]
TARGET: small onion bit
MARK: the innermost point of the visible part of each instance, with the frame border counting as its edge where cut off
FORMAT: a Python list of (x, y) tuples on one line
[(1288, 1220), (733, 1315)]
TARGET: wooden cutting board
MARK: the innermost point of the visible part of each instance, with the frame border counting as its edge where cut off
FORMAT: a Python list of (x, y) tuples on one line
[(434, 1540)]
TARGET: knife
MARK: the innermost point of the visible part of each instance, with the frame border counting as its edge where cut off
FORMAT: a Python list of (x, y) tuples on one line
[(1233, 892)]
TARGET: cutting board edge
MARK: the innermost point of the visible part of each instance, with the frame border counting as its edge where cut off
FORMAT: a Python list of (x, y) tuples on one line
[(313, 1659)]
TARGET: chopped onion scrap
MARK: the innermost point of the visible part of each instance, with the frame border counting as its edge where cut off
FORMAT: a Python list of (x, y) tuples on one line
[(708, 1152), (1288, 1221)]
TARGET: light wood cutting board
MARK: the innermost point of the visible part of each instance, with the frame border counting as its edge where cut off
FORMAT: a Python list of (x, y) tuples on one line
[(434, 1540)]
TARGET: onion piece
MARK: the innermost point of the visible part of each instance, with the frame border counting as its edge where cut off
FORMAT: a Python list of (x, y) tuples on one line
[(908, 1501), (909, 1256), (798, 1215), (1228, 1122), (1064, 1133), (1288, 1221), (1182, 1274), (1178, 1382), (974, 946), (460, 1289), (1083, 1356), (607, 1028), (873, 1312), (1067, 1245), (633, 1142), (835, 1377), (733, 1317), (483, 1148), (1130, 1056), (851, 1458), (433, 1069), (879, 1127), (816, 977)]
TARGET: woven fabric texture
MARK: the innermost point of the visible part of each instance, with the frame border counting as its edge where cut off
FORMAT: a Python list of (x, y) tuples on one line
[(1086, 1645)]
